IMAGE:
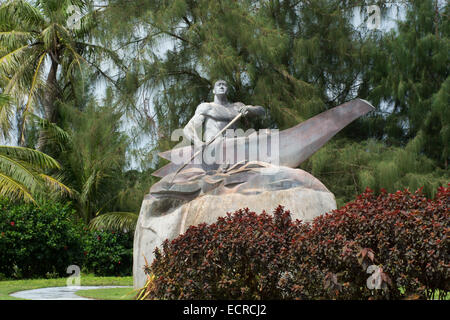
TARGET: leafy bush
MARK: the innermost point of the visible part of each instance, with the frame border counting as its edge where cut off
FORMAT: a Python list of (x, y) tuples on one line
[(43, 241), (401, 237), (235, 258), (35, 240), (108, 253), (403, 234)]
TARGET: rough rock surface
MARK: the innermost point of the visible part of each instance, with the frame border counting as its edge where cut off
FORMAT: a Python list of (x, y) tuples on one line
[(201, 197)]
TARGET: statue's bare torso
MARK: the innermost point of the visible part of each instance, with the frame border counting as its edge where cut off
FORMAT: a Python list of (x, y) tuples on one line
[(211, 117)]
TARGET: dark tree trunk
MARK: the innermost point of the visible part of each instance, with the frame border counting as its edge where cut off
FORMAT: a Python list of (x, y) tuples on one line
[(50, 94)]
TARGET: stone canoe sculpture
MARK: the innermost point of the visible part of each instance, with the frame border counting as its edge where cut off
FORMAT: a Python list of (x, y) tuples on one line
[(199, 195)]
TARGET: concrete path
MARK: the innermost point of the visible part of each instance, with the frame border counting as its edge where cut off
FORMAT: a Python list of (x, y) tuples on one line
[(58, 293)]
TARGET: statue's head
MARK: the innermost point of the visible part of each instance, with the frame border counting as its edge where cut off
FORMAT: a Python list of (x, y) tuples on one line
[(220, 87)]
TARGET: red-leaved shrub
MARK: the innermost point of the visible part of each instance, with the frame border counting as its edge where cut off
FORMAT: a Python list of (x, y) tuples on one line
[(402, 235), (390, 246), (238, 257)]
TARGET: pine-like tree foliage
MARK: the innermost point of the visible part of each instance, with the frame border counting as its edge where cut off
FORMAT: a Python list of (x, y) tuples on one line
[(411, 72), (296, 58), (93, 157), (347, 168), (299, 58)]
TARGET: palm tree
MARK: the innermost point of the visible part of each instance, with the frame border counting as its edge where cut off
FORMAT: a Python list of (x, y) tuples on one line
[(38, 46), (22, 170), (22, 174)]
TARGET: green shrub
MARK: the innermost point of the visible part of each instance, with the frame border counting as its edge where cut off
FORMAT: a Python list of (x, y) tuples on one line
[(109, 253), (43, 241), (35, 240)]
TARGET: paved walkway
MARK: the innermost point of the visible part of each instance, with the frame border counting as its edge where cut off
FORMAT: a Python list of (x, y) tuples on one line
[(58, 293)]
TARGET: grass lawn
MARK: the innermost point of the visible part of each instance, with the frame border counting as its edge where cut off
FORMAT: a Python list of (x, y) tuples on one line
[(10, 286), (108, 294)]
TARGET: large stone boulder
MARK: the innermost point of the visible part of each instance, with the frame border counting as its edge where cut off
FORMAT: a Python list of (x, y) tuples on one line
[(171, 208)]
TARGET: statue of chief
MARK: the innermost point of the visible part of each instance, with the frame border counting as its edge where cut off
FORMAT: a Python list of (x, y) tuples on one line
[(295, 144), (211, 117)]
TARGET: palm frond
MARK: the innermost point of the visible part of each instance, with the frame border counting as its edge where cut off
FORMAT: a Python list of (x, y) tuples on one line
[(12, 189), (91, 64), (49, 36), (87, 187), (6, 114), (57, 185), (30, 97), (14, 38), (20, 12), (54, 134), (18, 171), (88, 21), (76, 58), (115, 221), (13, 56), (18, 83), (34, 157)]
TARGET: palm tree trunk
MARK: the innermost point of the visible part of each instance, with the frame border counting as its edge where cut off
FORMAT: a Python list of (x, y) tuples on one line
[(50, 93), (49, 101)]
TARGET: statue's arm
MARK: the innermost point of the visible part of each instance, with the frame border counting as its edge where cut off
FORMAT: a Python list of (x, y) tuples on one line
[(214, 112), (194, 128), (257, 111)]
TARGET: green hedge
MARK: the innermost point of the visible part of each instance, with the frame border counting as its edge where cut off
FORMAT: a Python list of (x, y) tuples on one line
[(42, 241)]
